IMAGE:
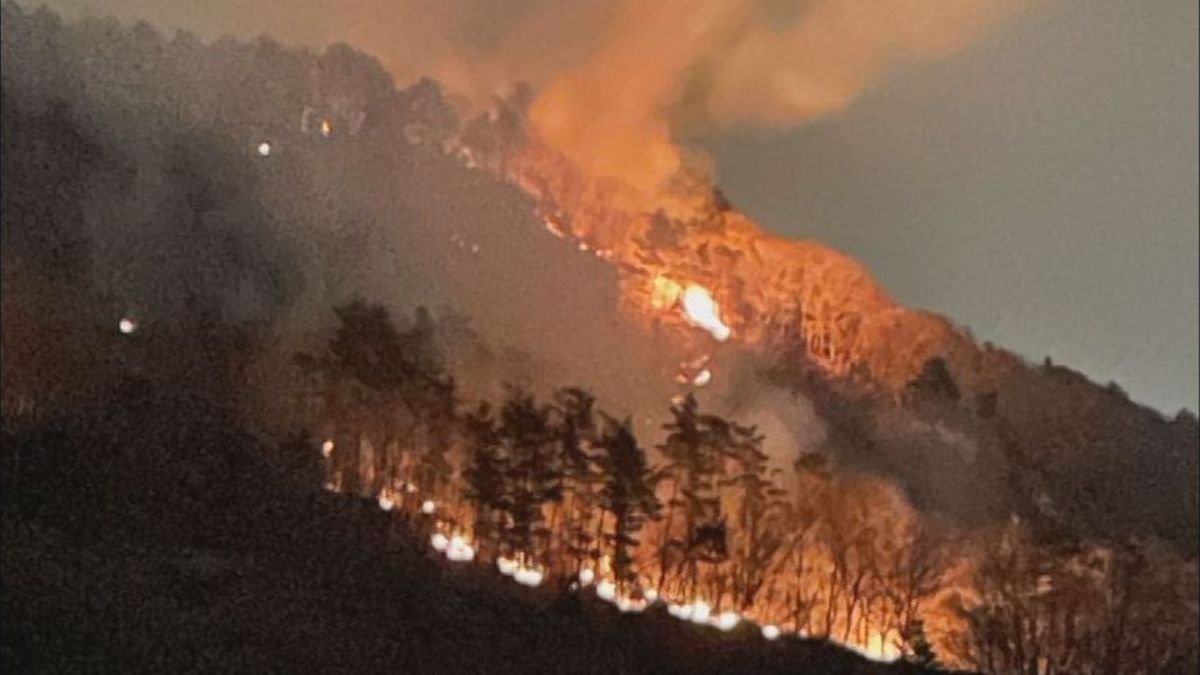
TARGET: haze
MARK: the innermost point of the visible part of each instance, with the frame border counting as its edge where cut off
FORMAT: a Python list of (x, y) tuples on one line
[(1037, 187)]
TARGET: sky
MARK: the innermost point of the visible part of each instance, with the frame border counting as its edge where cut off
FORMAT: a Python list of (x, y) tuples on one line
[(1038, 188)]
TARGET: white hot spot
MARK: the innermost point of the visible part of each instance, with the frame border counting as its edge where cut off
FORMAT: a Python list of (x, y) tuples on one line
[(727, 621), (527, 576), (507, 567), (264, 149), (682, 612), (127, 325), (439, 541), (701, 612), (386, 502), (428, 506), (606, 590), (629, 606), (586, 576), (327, 448), (770, 632), (702, 378), (459, 550), (702, 311)]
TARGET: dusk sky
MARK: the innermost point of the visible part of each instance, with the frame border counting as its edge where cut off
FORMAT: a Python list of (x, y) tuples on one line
[(1038, 188)]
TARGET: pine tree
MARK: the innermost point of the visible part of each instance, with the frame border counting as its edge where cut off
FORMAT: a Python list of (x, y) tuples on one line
[(759, 536), (574, 427), (693, 451), (485, 474), (533, 475), (628, 494)]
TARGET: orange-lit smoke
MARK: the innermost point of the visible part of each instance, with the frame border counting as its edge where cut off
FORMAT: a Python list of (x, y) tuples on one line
[(722, 63)]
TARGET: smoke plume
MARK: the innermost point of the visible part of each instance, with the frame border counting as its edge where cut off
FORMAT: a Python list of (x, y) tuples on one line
[(683, 65)]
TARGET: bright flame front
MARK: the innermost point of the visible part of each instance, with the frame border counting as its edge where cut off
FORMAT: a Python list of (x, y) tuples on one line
[(703, 311)]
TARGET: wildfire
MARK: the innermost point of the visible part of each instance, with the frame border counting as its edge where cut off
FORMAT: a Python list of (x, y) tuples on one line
[(664, 292), (878, 648), (385, 501), (458, 549), (727, 621), (704, 312), (529, 576), (696, 301)]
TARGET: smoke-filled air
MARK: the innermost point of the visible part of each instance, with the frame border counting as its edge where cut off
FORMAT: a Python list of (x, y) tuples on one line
[(418, 336)]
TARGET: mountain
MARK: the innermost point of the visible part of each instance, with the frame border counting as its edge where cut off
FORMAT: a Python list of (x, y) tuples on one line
[(222, 198)]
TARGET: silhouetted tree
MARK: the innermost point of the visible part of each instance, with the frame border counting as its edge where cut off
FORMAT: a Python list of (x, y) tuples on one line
[(487, 467), (533, 475), (628, 494), (935, 380), (574, 427)]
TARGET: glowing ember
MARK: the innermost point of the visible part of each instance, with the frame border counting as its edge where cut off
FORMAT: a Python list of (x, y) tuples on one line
[(683, 612), (326, 128), (439, 541), (702, 378), (386, 502), (127, 325), (770, 632), (428, 506), (586, 576), (507, 566), (650, 594), (727, 621), (606, 590), (878, 648), (702, 311), (701, 612), (459, 550), (664, 293), (264, 149), (527, 576), (330, 487), (327, 449), (630, 606)]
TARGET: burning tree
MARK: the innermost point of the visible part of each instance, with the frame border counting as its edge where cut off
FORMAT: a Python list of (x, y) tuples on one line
[(628, 494), (377, 385), (575, 431), (485, 473), (360, 376), (533, 470), (694, 449), (761, 530)]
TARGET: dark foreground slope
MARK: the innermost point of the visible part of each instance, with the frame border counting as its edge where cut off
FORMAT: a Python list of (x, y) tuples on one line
[(145, 535)]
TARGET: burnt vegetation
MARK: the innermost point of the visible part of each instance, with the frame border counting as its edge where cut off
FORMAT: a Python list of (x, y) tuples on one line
[(158, 515)]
